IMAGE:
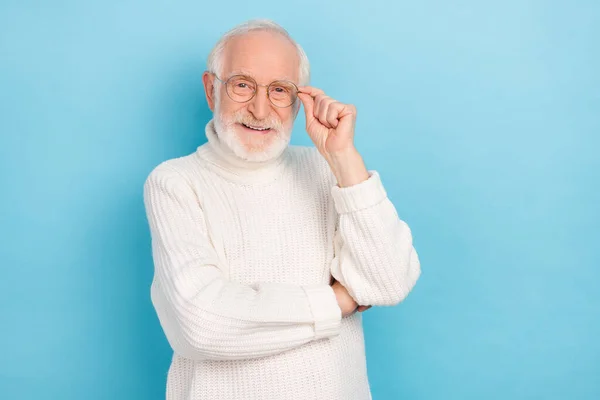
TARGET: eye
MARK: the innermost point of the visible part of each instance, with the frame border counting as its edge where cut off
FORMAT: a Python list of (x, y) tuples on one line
[(280, 89)]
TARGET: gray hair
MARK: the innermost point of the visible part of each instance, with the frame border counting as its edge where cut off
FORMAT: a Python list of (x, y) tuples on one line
[(214, 62)]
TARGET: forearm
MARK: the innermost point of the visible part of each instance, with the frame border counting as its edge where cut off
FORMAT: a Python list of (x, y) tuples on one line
[(226, 321), (374, 255)]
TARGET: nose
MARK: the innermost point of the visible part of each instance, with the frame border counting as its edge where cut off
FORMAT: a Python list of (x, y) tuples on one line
[(260, 106)]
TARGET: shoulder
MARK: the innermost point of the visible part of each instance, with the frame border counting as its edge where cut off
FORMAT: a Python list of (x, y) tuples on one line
[(175, 171)]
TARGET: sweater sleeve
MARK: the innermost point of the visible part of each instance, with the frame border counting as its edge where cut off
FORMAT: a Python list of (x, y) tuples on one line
[(374, 255), (207, 317)]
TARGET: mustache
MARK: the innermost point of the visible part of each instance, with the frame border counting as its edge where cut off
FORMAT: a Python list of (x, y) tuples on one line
[(247, 119)]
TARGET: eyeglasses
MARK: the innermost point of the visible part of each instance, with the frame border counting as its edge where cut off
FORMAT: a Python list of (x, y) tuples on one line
[(243, 88)]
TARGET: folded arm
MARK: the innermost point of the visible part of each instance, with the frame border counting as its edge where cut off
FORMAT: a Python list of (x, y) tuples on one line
[(203, 314)]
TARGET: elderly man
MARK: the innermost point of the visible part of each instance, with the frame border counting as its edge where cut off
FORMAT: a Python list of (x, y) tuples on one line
[(264, 252)]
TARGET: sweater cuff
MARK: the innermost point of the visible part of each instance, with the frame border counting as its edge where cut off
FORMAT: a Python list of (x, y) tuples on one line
[(326, 312), (360, 196)]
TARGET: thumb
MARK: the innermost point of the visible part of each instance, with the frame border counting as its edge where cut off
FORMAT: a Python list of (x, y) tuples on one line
[(308, 102)]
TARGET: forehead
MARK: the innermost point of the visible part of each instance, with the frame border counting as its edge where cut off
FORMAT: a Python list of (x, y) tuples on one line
[(266, 56)]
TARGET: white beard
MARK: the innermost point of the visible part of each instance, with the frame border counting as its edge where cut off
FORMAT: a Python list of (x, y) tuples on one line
[(248, 146)]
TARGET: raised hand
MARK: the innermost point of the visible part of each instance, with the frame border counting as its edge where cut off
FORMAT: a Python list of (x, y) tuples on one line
[(329, 123)]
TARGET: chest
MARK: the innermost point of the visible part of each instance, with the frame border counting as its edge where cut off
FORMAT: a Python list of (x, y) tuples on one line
[(272, 234)]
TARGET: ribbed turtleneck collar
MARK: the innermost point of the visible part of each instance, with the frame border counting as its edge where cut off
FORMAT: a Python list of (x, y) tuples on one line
[(232, 167)]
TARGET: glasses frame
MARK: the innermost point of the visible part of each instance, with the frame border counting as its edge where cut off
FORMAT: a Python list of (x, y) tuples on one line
[(225, 82)]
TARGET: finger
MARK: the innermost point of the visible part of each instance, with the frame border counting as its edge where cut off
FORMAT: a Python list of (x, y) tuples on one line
[(319, 99), (333, 113), (347, 109), (323, 110), (311, 91)]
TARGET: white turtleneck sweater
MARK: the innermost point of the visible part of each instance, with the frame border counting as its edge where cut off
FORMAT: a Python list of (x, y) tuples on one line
[(243, 255)]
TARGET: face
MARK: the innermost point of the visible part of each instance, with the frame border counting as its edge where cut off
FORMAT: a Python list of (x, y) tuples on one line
[(256, 130)]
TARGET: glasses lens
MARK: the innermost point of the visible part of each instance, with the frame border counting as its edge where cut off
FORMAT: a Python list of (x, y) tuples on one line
[(241, 88), (282, 93)]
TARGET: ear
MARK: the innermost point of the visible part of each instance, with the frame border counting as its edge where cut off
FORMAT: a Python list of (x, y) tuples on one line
[(209, 89), (296, 108)]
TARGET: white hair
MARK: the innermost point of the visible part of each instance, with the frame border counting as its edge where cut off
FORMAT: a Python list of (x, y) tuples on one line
[(214, 62)]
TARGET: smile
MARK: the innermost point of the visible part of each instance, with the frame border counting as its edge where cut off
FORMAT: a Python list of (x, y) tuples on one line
[(256, 128)]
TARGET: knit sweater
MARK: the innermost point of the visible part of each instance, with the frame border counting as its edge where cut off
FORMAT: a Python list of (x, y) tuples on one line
[(243, 256)]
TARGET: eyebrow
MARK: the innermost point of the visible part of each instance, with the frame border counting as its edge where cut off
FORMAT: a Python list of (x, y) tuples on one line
[(243, 72)]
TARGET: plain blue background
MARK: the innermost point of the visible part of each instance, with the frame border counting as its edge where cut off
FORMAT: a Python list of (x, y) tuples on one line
[(483, 119)]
